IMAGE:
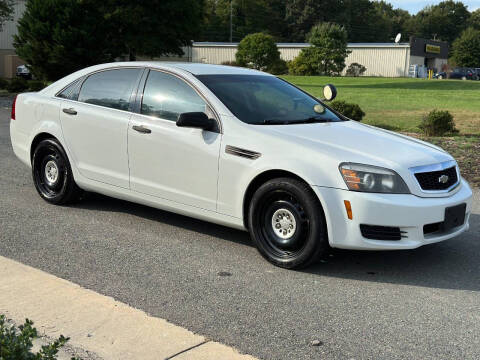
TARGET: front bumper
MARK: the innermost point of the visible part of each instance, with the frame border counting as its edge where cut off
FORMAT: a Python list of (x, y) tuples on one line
[(408, 212)]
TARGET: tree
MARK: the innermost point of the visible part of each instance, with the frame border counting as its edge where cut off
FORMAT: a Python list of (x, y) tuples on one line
[(327, 53), (363, 22), (257, 51), (57, 37), (216, 25), (248, 17), (155, 27), (466, 49), (6, 11), (444, 21), (393, 21), (474, 20), (302, 15)]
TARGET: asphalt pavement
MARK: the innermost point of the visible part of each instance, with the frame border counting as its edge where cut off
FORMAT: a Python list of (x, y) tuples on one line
[(416, 304)]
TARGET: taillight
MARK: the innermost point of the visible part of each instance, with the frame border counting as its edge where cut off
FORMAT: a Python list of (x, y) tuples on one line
[(13, 107)]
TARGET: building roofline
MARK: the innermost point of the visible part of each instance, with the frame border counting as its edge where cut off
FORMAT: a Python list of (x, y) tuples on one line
[(304, 45)]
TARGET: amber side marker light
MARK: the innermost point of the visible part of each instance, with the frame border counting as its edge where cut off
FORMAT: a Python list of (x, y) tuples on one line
[(348, 207)]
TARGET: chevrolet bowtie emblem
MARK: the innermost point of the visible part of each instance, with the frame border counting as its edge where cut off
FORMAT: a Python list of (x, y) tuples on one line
[(443, 179)]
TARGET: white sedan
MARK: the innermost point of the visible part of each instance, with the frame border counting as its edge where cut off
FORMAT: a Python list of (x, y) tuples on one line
[(243, 149)]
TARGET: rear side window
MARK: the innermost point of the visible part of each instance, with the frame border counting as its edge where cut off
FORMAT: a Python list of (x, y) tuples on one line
[(166, 96), (111, 88), (71, 91)]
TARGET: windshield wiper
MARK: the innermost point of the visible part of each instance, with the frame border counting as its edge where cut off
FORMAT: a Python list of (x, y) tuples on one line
[(275, 122), (310, 120)]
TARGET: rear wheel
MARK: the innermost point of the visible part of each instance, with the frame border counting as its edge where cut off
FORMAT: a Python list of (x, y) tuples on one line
[(52, 174), (287, 223)]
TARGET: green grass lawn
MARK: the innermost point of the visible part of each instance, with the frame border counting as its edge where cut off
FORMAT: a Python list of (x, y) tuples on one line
[(399, 103)]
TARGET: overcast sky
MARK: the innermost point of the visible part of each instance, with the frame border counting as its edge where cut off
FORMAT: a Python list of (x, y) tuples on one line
[(413, 6)]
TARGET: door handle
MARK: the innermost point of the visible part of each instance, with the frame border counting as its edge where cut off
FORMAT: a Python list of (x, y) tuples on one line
[(70, 111), (141, 129)]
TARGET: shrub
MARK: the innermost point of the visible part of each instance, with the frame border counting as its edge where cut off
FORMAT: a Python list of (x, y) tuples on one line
[(356, 69), (16, 344), (300, 65), (257, 51), (327, 53), (387, 126), (230, 63), (17, 85), (438, 123), (3, 83), (351, 111), (308, 63), (279, 67), (35, 85)]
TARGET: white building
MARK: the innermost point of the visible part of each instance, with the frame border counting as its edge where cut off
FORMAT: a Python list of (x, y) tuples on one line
[(380, 59)]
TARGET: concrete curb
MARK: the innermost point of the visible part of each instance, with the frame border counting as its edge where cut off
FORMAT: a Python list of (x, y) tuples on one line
[(97, 323)]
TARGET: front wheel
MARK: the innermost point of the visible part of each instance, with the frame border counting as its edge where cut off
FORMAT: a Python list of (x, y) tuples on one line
[(52, 174), (287, 223)]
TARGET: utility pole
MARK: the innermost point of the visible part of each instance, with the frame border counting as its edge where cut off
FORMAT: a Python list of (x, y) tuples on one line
[(231, 18)]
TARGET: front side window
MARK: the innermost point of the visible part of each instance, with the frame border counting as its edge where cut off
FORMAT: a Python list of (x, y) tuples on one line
[(166, 96), (111, 88), (262, 99)]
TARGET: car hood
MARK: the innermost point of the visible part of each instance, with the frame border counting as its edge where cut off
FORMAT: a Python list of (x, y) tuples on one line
[(355, 142)]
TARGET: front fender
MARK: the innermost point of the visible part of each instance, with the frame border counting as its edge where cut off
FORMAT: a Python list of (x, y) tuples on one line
[(237, 173)]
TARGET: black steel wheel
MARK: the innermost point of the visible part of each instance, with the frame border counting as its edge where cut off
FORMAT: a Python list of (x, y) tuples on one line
[(287, 223), (52, 174)]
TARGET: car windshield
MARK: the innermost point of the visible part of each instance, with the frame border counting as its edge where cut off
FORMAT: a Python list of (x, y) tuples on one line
[(262, 99)]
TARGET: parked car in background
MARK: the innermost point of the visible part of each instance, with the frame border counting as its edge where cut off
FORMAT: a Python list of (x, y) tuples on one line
[(463, 74), (24, 71), (440, 75), (477, 70), (241, 148)]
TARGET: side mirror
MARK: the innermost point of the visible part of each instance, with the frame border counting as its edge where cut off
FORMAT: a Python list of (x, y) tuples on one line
[(329, 92), (197, 120)]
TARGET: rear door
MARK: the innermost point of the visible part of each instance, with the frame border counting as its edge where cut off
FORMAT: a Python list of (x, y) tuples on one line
[(170, 162), (95, 124)]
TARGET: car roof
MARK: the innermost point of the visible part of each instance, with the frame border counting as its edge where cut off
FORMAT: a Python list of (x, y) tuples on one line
[(193, 68), (208, 69)]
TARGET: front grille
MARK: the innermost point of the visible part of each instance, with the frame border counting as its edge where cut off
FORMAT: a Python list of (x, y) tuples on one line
[(375, 232), (434, 180)]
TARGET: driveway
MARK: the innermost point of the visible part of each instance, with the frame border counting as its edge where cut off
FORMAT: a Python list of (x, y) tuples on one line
[(419, 304)]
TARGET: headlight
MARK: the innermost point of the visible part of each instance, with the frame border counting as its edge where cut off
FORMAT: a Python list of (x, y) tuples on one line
[(368, 178)]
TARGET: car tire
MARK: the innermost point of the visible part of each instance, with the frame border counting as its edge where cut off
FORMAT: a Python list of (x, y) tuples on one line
[(52, 174), (287, 223)]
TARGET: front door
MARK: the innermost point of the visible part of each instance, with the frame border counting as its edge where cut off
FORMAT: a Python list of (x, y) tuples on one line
[(170, 162)]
